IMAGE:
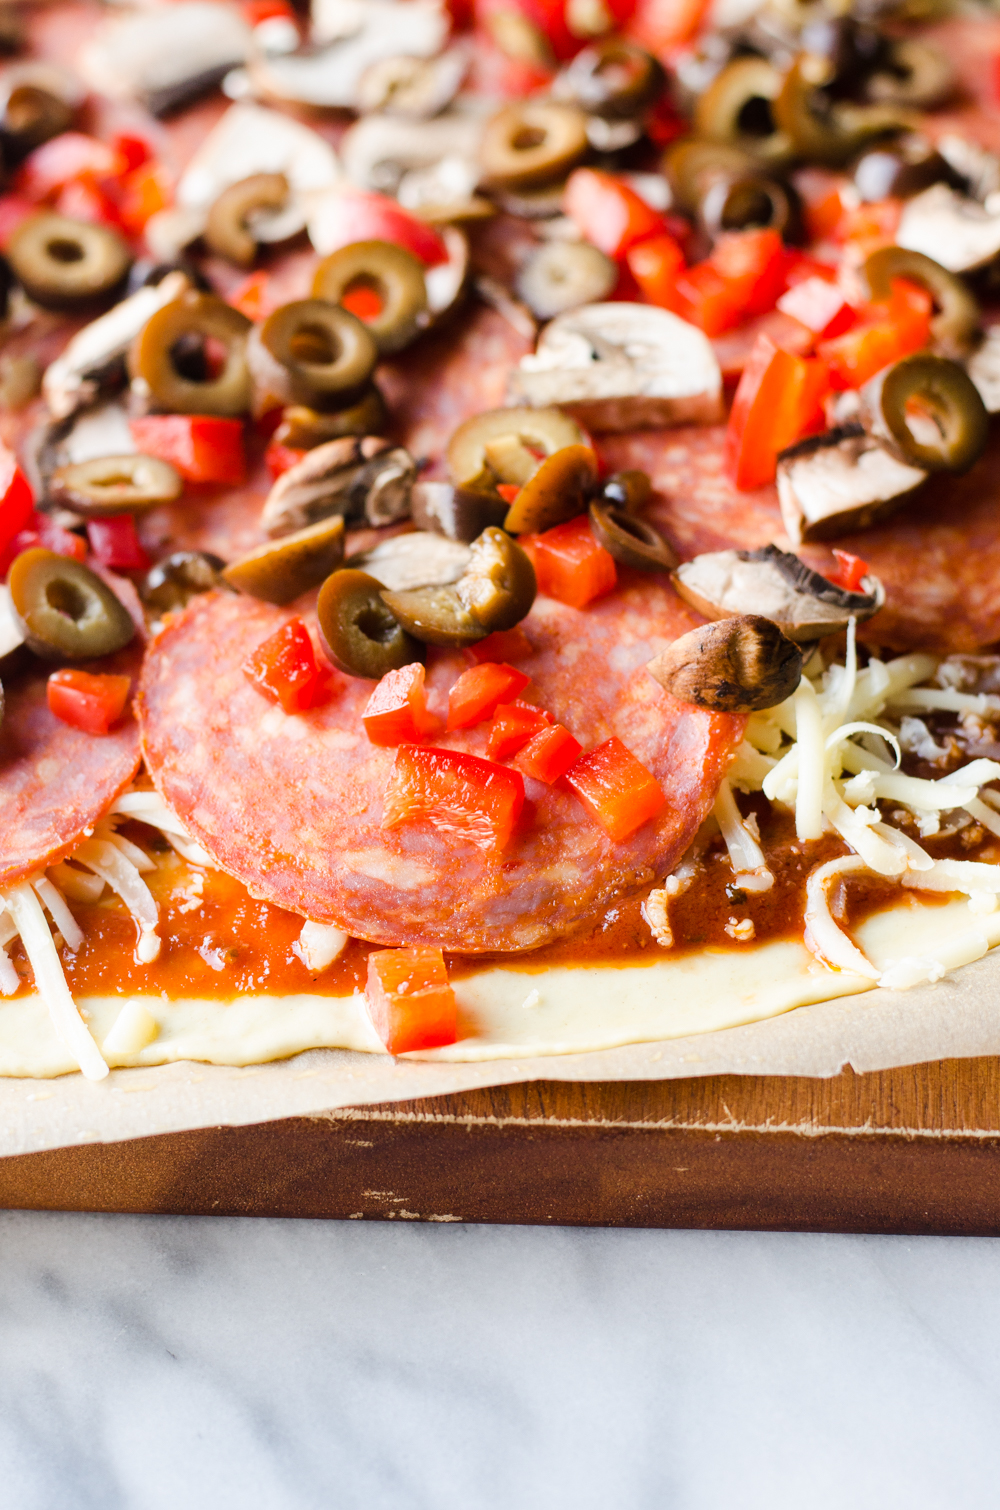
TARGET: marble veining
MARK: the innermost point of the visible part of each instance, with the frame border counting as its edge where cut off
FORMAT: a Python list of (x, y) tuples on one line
[(173, 1364)]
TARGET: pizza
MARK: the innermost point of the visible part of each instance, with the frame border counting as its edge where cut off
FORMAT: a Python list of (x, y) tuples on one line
[(497, 523)]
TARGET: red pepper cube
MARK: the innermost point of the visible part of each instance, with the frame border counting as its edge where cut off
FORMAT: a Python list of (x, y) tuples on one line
[(570, 563), (479, 692), (655, 264), (357, 215), (850, 571), (17, 503), (460, 795), (201, 447), (779, 398), (549, 754), (753, 266), (501, 645), (279, 459), (887, 332), (708, 300), (513, 725), (65, 157), (820, 306), (284, 669), (409, 1000), (396, 712), (508, 490), (609, 214), (115, 543), (85, 701), (616, 789)]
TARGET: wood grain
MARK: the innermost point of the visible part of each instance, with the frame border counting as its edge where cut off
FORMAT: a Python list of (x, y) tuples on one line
[(907, 1150)]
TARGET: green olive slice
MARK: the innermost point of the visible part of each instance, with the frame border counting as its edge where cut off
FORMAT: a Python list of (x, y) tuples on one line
[(496, 591), (65, 264), (933, 411), (194, 317), (303, 428), (64, 610), (737, 108), (747, 201), (226, 229), (614, 78), (557, 491), (393, 274), (115, 484), (359, 633), (562, 275), (532, 142), (631, 541), (693, 164), (283, 569), (310, 352), (628, 490), (457, 513), (539, 430), (173, 582), (954, 327)]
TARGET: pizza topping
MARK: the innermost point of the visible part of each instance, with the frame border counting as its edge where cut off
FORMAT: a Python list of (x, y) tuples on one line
[(360, 634), (614, 78), (166, 58), (361, 479), (203, 448), (737, 665), (423, 162), (285, 670), (532, 143), (397, 712), (562, 275), (409, 1000), (229, 226), (956, 231), (634, 542), (955, 326), (459, 513), (64, 610), (557, 490), (473, 800), (623, 367), (824, 130), (88, 702), (414, 89), (779, 398), (115, 484), (385, 284), (616, 789), (283, 569), (549, 754), (310, 352), (508, 444), (495, 592), (420, 559), (778, 586), (738, 109), (302, 428), (839, 481), (67, 264), (172, 582), (932, 410), (571, 565), (187, 384), (479, 692), (629, 490)]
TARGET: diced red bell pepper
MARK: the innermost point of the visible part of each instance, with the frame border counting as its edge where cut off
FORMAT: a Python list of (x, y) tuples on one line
[(753, 264), (84, 198), (133, 151), (201, 447), (664, 24), (800, 265), (58, 162), (885, 334), (850, 571), (251, 298), (607, 212), (616, 789), (508, 490), (43, 531), (570, 563), (363, 302), (706, 299), (513, 725), (655, 264), (501, 645), (549, 754), (17, 504), (820, 306), (285, 670), (144, 192), (115, 544), (461, 795), (257, 11), (823, 215), (479, 692), (875, 222), (409, 1000), (89, 702), (779, 399), (279, 458), (397, 712), (358, 216)]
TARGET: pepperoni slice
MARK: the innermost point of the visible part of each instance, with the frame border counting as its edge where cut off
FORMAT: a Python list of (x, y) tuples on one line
[(292, 806), (56, 781)]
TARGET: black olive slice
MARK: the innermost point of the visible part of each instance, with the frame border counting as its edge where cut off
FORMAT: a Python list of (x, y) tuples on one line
[(173, 582), (115, 484), (631, 541)]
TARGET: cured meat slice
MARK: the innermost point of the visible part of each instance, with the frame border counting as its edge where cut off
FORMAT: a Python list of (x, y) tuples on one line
[(939, 557), (56, 781), (292, 805)]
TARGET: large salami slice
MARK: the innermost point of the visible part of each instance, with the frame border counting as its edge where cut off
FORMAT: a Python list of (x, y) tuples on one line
[(56, 781), (292, 805)]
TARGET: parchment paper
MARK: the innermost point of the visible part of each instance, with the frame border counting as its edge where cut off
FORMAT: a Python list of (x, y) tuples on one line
[(959, 1017)]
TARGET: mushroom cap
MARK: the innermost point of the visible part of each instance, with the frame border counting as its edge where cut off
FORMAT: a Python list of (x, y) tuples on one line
[(775, 585)]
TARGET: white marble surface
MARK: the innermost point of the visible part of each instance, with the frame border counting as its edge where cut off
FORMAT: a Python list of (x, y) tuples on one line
[(173, 1364)]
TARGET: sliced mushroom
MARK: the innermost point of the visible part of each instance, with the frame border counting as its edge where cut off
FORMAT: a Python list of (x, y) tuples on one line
[(94, 360), (166, 56), (623, 367), (563, 275), (13, 640), (978, 170), (843, 480), (366, 479), (329, 76), (410, 561), (777, 585), (380, 149), (459, 513), (412, 88), (495, 591), (959, 233), (741, 665), (983, 367), (91, 434)]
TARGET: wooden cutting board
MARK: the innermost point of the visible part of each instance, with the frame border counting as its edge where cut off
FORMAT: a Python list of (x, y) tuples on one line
[(913, 1150)]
